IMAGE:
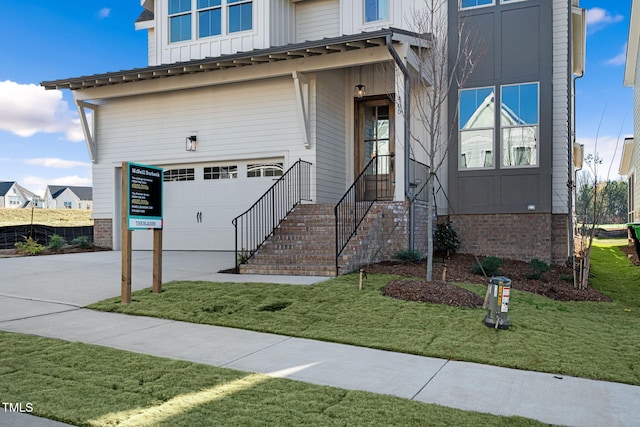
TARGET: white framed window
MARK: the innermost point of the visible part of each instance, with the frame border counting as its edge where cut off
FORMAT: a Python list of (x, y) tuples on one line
[(209, 18), (376, 10), (68, 205), (469, 4), (179, 20), (221, 172), (519, 124), (258, 170), (240, 15), (183, 174), (476, 130)]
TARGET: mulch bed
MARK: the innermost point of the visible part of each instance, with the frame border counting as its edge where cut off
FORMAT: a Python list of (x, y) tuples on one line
[(558, 284), (10, 253)]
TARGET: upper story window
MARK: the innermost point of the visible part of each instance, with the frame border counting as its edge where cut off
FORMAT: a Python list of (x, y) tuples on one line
[(179, 20), (209, 18), (376, 10), (476, 129), (212, 18), (519, 118), (240, 15), (468, 4)]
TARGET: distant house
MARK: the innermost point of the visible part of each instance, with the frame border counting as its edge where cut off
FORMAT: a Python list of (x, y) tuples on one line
[(13, 195), (66, 197)]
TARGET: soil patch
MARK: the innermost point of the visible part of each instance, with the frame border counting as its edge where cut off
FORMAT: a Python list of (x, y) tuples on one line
[(557, 283)]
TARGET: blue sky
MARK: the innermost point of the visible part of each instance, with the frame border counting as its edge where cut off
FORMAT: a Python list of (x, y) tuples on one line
[(40, 138)]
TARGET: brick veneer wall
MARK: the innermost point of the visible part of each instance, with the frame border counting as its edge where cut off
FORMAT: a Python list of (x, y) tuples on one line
[(384, 233), (516, 236), (103, 233)]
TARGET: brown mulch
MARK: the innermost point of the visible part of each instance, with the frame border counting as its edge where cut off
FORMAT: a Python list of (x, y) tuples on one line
[(558, 284)]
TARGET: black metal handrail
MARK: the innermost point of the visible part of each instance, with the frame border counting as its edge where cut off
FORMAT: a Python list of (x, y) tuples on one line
[(373, 183), (255, 225)]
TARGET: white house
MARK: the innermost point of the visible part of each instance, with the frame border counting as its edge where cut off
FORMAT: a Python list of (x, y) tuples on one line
[(13, 195), (68, 197), (236, 92), (630, 160)]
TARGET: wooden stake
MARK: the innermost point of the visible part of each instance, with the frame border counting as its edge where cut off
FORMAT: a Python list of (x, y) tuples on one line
[(360, 283), (444, 274), (157, 261), (125, 284)]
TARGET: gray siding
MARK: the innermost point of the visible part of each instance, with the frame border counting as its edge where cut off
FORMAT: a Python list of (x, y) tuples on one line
[(317, 19), (330, 128), (518, 43)]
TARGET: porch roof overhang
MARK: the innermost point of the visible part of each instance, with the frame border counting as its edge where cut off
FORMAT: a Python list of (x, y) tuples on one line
[(326, 46)]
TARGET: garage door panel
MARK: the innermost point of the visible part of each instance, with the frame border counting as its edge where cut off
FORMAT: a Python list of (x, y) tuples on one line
[(198, 214)]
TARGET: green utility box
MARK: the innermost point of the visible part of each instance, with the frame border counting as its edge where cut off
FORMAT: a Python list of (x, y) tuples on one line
[(498, 303)]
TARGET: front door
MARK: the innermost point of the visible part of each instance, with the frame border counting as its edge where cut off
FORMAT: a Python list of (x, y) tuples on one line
[(375, 138)]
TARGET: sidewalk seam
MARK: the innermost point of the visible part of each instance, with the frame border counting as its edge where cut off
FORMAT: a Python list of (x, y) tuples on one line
[(258, 351), (430, 379), (40, 315)]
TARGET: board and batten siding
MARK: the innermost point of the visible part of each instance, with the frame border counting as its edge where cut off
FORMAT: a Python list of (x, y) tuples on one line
[(562, 143), (634, 170), (330, 124), (251, 120), (317, 19), (282, 26)]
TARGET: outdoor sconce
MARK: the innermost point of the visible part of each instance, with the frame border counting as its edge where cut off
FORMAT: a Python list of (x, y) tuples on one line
[(191, 143), (360, 91)]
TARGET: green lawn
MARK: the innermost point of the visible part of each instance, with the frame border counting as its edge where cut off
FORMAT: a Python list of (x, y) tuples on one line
[(586, 339), (87, 385)]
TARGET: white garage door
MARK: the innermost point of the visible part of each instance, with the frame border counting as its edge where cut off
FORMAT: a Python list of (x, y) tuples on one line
[(201, 200)]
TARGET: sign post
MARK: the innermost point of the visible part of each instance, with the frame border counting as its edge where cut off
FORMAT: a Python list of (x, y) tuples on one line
[(142, 200)]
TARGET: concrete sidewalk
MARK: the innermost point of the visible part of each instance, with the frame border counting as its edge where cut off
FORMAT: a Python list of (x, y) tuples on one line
[(549, 398)]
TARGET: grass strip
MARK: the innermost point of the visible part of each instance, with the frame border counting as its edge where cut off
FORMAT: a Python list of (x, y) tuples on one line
[(87, 385), (584, 339)]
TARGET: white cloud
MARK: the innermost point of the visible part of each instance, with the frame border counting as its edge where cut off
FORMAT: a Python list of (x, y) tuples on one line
[(105, 12), (598, 18), (608, 149), (50, 162), (619, 59), (29, 109)]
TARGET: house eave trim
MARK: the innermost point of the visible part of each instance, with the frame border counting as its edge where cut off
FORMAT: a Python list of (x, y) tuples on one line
[(325, 46)]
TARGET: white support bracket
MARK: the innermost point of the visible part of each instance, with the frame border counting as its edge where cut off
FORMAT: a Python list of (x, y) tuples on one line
[(301, 86), (89, 128)]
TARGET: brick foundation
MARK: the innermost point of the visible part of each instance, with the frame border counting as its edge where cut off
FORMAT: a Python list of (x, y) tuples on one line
[(517, 236), (103, 233)]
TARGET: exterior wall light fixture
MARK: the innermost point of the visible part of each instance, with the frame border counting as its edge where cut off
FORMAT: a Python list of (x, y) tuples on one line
[(360, 91), (191, 143)]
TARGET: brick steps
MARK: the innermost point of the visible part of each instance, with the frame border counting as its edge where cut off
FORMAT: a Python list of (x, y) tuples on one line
[(304, 244)]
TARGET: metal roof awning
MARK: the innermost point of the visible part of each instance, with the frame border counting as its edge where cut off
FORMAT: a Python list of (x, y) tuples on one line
[(325, 46)]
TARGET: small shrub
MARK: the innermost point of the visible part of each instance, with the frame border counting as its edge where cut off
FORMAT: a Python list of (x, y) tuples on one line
[(82, 242), (489, 266), (56, 242), (538, 268), (446, 239), (243, 256), (29, 246), (408, 255)]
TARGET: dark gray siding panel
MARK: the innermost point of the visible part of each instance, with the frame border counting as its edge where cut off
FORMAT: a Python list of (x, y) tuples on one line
[(517, 43)]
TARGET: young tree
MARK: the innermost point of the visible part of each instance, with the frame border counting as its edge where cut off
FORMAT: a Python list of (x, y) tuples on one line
[(444, 66)]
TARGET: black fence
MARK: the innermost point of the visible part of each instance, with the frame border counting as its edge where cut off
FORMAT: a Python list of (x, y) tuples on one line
[(17, 233)]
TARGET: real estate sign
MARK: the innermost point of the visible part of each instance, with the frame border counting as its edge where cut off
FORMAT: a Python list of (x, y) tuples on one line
[(144, 206)]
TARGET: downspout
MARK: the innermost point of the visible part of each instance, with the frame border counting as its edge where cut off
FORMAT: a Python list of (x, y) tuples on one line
[(407, 136)]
